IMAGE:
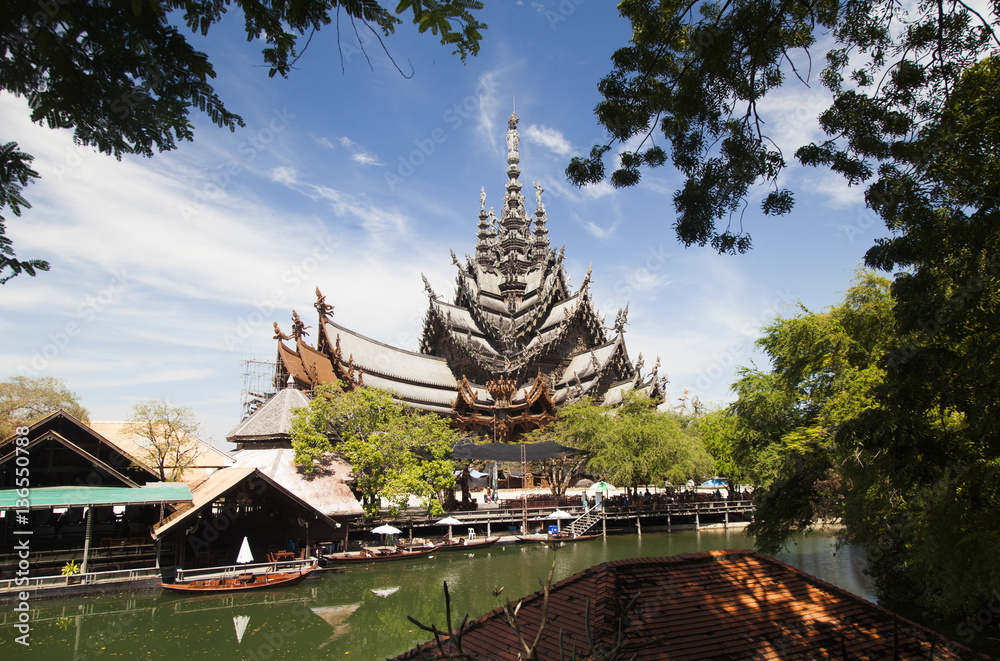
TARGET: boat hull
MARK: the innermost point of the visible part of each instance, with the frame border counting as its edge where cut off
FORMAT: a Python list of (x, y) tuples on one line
[(467, 546), (358, 557), (241, 583), (546, 539)]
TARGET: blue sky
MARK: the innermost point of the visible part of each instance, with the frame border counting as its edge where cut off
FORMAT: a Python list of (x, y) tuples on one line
[(168, 272)]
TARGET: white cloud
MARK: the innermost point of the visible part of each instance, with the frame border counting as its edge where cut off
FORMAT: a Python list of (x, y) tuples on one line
[(550, 138), (599, 232), (283, 175), (358, 153)]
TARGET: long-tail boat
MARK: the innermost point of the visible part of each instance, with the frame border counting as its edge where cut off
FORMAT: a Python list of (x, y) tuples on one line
[(558, 537), (247, 580), (380, 555), (465, 544)]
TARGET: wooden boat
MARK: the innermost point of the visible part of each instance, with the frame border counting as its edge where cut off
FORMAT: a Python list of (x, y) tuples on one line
[(244, 581), (465, 544), (382, 555), (558, 537)]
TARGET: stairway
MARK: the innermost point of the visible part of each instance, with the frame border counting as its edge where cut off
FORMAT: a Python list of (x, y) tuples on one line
[(585, 522)]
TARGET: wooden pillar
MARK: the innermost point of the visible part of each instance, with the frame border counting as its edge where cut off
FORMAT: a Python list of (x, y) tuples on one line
[(604, 525), (669, 528), (86, 538), (725, 523), (697, 521), (638, 525), (489, 533)]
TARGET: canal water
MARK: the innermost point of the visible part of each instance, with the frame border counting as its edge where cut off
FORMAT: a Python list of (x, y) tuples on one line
[(359, 612)]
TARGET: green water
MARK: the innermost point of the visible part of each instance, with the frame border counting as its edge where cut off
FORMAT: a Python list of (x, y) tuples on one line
[(336, 615)]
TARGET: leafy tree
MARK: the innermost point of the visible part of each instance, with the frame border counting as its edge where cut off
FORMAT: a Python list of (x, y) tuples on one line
[(702, 73), (634, 443), (558, 470), (931, 452), (15, 174), (394, 451), (785, 430), (126, 79), (718, 433), (24, 400), (169, 436)]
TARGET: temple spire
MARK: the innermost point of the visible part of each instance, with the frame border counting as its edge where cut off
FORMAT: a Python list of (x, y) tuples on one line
[(541, 245)]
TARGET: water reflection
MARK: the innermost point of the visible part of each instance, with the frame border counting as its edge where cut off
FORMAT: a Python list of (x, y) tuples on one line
[(360, 611)]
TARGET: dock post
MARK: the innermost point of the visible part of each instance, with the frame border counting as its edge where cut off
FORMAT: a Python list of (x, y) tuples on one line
[(488, 532), (669, 527), (697, 521), (725, 524), (86, 539), (638, 525), (604, 525)]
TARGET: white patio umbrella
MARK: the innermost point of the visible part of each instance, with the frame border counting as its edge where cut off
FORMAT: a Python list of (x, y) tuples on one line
[(601, 486), (449, 521), (386, 529), (559, 515), (245, 555)]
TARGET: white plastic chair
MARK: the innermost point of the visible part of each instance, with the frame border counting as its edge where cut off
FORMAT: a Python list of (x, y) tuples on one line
[(472, 534)]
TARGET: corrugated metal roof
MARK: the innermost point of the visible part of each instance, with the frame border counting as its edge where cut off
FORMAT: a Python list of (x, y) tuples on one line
[(44, 497)]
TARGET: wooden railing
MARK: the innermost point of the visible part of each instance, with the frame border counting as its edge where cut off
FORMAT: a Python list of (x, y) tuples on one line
[(45, 582)]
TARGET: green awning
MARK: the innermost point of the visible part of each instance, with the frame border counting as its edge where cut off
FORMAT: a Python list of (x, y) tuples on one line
[(45, 497)]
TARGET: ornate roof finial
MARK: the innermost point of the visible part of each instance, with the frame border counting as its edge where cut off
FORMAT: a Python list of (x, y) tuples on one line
[(538, 194), (513, 139), (482, 198), (321, 306), (454, 259), (586, 278), (621, 319), (427, 287), (278, 335), (298, 328)]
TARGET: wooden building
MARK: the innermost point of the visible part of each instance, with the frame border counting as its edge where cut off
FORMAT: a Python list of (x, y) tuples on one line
[(515, 343)]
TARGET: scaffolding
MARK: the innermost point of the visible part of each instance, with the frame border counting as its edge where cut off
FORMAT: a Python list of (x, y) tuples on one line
[(258, 385)]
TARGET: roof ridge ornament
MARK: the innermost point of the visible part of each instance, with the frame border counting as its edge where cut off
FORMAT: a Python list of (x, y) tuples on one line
[(278, 335), (427, 287), (299, 329), (325, 311)]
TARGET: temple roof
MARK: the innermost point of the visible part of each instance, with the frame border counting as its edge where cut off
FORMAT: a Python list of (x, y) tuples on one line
[(388, 361), (272, 421)]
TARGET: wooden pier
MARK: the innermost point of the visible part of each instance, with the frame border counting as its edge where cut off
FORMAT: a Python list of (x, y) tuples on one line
[(509, 516)]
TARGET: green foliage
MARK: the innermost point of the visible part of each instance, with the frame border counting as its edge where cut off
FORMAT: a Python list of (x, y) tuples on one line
[(929, 458), (635, 444), (71, 568), (24, 400), (394, 451), (15, 174), (718, 432), (169, 434), (699, 73), (783, 433), (127, 80)]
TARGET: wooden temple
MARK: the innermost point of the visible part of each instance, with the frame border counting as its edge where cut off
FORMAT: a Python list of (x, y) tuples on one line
[(516, 342)]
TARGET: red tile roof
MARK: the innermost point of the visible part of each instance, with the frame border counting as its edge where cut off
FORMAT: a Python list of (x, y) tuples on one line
[(717, 605)]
